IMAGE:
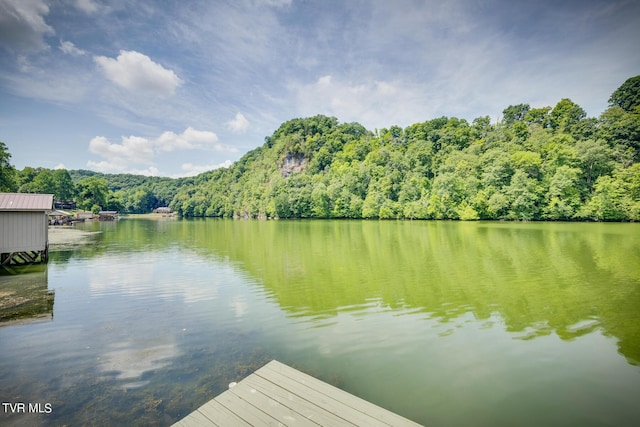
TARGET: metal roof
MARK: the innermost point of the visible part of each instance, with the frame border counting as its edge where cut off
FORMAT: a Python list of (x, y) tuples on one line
[(25, 202), (59, 212)]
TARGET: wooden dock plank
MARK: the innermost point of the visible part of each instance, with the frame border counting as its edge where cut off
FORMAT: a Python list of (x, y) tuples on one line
[(195, 419), (333, 405), (295, 402), (336, 394), (277, 394), (269, 405), (245, 410), (220, 415)]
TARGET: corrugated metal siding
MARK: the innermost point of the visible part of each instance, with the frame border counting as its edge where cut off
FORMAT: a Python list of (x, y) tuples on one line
[(25, 202), (23, 231)]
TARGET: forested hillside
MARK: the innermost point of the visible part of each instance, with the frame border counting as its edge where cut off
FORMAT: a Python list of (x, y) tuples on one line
[(550, 163), (91, 191), (132, 193)]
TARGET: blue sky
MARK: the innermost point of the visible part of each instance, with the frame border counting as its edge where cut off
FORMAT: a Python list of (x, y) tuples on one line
[(174, 88)]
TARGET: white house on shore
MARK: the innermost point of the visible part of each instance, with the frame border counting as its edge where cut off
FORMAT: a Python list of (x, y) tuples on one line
[(24, 228)]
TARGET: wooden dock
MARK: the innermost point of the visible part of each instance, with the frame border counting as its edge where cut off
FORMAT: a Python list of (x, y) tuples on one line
[(278, 395)]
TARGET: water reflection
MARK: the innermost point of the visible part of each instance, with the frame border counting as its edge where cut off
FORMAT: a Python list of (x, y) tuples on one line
[(150, 276), (129, 361), (446, 323), (542, 278), (140, 335), (25, 296)]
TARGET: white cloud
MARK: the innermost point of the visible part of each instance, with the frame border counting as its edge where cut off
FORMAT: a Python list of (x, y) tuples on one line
[(191, 139), (374, 103), (201, 136), (150, 171), (60, 166), (120, 158), (239, 124), (135, 71), (135, 151), (189, 169), (276, 3), (117, 167), (70, 49), (105, 167), (22, 24), (87, 6)]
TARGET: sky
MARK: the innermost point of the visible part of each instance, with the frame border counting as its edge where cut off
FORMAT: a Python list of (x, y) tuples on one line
[(176, 88)]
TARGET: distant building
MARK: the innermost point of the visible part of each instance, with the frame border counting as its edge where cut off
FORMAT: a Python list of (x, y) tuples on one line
[(107, 215), (58, 217), (65, 204), (163, 210), (24, 228), (84, 215)]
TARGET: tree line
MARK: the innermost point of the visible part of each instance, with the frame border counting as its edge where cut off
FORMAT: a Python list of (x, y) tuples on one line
[(88, 190), (549, 163), (535, 164)]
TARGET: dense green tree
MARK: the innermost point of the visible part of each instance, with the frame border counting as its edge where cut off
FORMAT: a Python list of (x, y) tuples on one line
[(63, 187), (320, 207), (447, 193), (619, 127), (7, 171), (497, 205), (481, 126), (24, 178), (43, 183), (114, 202), (524, 196), (627, 96), (418, 209), (608, 201), (456, 134), (559, 150), (527, 161), (466, 212), (92, 192), (563, 197), (566, 115), (595, 158), (538, 116), (140, 201), (390, 209), (372, 204), (497, 168), (631, 178), (515, 113), (126, 186)]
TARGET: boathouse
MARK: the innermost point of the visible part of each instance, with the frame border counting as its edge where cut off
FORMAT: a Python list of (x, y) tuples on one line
[(24, 228), (107, 215)]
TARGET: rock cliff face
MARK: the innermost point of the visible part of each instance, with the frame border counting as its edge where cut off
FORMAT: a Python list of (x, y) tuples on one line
[(293, 163)]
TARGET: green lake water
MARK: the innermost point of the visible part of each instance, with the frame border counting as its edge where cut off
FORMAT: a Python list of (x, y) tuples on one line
[(446, 323)]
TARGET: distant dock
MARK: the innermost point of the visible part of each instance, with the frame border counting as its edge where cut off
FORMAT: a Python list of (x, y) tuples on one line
[(279, 395)]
